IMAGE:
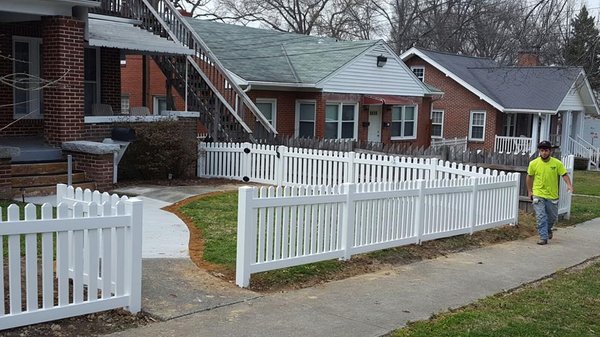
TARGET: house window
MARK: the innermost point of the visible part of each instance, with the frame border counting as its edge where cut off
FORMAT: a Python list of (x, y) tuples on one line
[(510, 125), (125, 104), (27, 97), (160, 104), (437, 123), (268, 107), (404, 122), (419, 72), (477, 125), (91, 78), (305, 119), (340, 120)]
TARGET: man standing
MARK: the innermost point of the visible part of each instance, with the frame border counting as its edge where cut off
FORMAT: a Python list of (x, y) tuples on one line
[(542, 188)]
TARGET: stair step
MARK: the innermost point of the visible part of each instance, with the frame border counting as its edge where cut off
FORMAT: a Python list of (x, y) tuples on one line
[(32, 191), (46, 179), (27, 169)]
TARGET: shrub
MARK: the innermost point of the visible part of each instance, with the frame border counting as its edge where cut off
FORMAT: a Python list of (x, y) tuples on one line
[(162, 148)]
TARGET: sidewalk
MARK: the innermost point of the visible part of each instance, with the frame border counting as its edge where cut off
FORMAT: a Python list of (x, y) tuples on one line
[(375, 304)]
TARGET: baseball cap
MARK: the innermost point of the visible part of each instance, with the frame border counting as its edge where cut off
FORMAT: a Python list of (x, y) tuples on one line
[(544, 144)]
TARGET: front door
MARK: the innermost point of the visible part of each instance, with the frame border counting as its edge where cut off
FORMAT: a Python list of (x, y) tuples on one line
[(374, 123)]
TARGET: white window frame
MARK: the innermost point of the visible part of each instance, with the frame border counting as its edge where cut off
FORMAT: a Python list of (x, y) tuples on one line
[(402, 121), (473, 112), (440, 124), (35, 100), (155, 105), (297, 127), (422, 77), (339, 122), (273, 102)]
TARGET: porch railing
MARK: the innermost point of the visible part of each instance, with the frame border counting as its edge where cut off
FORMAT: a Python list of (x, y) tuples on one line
[(506, 144), (583, 149), (457, 143)]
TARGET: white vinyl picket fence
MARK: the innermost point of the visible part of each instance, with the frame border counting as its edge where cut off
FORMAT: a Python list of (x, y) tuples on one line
[(286, 226), (330, 204), (283, 166), (86, 258)]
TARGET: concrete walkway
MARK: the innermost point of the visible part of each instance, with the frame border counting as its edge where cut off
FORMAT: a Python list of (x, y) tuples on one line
[(375, 304)]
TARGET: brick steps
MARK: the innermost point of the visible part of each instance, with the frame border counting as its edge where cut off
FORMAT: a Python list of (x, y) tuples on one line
[(35, 179)]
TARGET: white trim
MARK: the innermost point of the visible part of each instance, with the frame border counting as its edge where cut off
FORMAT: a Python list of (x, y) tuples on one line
[(531, 111), (273, 102), (34, 60), (589, 92), (442, 130), (471, 125), (414, 51), (126, 118), (341, 104), (413, 68), (155, 105), (416, 120), (392, 54), (297, 115)]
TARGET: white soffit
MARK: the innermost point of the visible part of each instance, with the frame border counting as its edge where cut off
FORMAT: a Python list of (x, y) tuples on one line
[(121, 35)]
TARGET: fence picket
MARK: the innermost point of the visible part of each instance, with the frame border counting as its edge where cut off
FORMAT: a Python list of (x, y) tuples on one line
[(14, 264)]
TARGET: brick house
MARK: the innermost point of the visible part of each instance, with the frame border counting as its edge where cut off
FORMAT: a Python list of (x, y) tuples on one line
[(60, 65), (505, 108), (307, 86)]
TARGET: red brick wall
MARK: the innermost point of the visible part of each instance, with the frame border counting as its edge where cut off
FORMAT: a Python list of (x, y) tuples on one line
[(97, 167), (97, 132), (24, 127), (457, 104), (131, 83), (63, 59), (110, 78), (5, 179)]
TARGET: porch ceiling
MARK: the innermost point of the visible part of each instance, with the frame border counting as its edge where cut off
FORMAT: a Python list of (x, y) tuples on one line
[(112, 34)]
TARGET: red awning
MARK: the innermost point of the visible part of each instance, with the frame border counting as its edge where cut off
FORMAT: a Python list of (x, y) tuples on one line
[(386, 99)]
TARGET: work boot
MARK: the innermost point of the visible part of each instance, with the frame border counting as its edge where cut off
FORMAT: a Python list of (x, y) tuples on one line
[(550, 234), (542, 242)]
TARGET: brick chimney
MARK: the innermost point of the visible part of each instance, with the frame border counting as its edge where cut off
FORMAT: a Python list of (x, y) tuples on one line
[(183, 12), (529, 58)]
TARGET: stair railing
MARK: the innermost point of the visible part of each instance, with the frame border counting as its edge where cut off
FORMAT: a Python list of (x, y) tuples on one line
[(162, 18)]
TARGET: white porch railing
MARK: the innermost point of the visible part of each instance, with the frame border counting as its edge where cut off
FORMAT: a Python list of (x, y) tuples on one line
[(458, 143), (512, 144), (96, 267), (579, 149), (594, 152)]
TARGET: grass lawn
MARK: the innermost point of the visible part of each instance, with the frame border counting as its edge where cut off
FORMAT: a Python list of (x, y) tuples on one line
[(566, 305), (216, 217), (587, 182)]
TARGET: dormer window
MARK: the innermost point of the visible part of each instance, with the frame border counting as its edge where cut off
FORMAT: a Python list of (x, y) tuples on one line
[(419, 72)]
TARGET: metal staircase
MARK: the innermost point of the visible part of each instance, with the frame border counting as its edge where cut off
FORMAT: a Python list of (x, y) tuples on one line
[(225, 109)]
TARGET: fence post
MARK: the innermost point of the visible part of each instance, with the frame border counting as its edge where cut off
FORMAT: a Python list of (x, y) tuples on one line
[(433, 169), (517, 187), (420, 210), (201, 169), (349, 189), (246, 170), (473, 203), (279, 164), (246, 235), (61, 193), (349, 171), (133, 275), (570, 168)]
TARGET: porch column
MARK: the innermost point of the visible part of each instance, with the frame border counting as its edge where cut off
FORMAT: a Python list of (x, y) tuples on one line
[(545, 128), (62, 61), (565, 132), (535, 133)]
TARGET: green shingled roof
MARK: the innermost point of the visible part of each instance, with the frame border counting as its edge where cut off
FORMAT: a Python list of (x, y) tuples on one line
[(270, 56)]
